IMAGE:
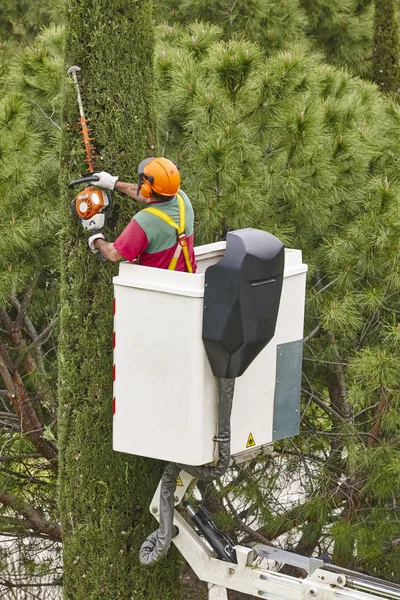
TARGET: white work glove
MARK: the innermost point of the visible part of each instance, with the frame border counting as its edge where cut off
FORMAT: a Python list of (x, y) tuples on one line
[(106, 180), (96, 236)]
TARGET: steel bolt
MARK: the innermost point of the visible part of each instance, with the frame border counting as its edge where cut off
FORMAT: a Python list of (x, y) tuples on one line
[(312, 592), (176, 498), (340, 579), (231, 571), (154, 509)]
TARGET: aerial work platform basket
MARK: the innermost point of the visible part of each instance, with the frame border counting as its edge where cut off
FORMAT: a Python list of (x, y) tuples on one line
[(165, 391)]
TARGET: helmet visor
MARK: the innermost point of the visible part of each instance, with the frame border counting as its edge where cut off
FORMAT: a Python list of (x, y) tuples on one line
[(140, 171)]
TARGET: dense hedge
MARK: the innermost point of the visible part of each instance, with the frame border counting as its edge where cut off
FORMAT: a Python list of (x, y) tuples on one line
[(103, 495)]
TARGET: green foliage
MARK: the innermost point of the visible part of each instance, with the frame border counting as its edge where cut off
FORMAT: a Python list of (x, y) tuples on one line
[(29, 223), (304, 150), (21, 21), (103, 495), (30, 137), (274, 25), (343, 30), (386, 69)]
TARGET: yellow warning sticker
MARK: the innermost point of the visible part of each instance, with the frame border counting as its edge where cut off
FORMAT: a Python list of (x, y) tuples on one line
[(250, 441), (179, 481)]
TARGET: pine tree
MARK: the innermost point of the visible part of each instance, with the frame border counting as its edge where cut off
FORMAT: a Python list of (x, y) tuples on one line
[(343, 30), (21, 21), (302, 149), (29, 133), (273, 24), (104, 496)]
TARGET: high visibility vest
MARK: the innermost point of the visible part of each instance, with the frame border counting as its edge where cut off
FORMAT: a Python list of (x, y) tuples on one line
[(181, 245)]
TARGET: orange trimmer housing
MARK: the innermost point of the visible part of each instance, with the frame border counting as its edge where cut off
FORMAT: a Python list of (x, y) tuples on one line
[(89, 202)]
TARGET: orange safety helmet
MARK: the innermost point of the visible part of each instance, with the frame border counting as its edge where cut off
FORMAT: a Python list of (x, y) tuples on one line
[(159, 175)]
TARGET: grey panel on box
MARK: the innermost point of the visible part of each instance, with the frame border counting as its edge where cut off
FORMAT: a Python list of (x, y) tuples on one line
[(289, 359)]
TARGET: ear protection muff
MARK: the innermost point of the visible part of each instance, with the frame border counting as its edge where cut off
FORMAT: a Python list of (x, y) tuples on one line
[(145, 185)]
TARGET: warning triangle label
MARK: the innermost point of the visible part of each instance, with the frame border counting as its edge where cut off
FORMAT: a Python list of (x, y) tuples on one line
[(179, 481), (250, 441)]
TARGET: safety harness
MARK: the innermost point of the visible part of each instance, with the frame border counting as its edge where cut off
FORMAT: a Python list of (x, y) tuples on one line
[(180, 231)]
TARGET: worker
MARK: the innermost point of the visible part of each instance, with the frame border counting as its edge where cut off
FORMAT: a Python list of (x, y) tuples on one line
[(160, 235)]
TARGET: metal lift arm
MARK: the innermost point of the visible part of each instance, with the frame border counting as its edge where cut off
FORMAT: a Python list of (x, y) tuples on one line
[(324, 581)]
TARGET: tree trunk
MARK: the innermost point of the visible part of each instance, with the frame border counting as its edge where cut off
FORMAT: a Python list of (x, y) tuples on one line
[(103, 495)]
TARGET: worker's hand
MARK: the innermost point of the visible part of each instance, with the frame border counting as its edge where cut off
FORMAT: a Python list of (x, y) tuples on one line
[(97, 236), (106, 180)]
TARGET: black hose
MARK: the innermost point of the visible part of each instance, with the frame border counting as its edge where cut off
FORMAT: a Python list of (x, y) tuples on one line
[(155, 547)]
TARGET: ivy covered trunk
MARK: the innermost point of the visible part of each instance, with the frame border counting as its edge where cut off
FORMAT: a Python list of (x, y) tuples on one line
[(103, 495), (386, 68)]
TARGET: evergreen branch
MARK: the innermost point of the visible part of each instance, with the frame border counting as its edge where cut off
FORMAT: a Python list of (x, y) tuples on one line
[(47, 116), (13, 526), (326, 362), (313, 333), (19, 457), (24, 410), (10, 585), (359, 433), (33, 334), (321, 404), (303, 461), (337, 386), (317, 459), (35, 520), (26, 302), (28, 478), (5, 317), (7, 369), (7, 415), (367, 326), (44, 335), (15, 335), (364, 410), (243, 527), (288, 521), (320, 290), (10, 423)]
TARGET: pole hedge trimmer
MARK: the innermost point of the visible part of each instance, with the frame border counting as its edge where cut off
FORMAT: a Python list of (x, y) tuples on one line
[(92, 205)]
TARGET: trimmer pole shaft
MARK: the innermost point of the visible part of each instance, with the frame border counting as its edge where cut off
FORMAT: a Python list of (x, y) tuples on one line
[(83, 121)]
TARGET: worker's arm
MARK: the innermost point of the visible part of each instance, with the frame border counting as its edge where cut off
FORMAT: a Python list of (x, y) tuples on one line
[(130, 189), (110, 182), (107, 250), (97, 243)]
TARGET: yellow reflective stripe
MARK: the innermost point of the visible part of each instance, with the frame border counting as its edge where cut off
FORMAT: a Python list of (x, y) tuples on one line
[(187, 259), (182, 214), (172, 264), (162, 215)]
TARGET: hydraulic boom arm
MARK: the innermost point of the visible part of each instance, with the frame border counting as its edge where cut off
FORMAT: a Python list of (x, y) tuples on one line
[(245, 574)]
